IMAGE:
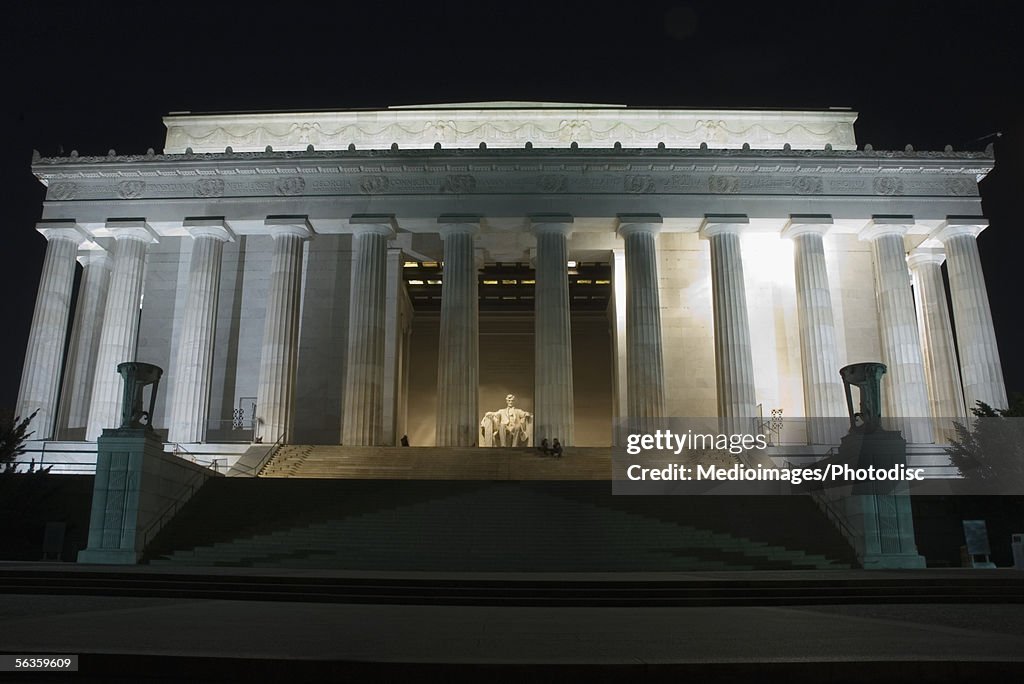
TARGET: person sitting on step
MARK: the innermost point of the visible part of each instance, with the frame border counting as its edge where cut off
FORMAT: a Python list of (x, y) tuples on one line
[(556, 448), (544, 448)]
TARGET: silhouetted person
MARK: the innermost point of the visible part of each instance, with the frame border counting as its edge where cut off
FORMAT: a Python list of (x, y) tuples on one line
[(405, 440), (556, 448), (544, 447)]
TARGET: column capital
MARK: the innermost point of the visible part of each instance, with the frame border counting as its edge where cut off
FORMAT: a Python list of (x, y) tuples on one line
[(921, 257), (458, 224), (209, 226), (376, 224), (282, 225), (718, 224), (955, 226), (886, 225), (131, 229), (803, 224), (551, 223), (630, 224), (63, 230)]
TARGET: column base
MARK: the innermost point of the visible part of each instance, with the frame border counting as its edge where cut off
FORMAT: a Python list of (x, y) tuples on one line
[(108, 556), (893, 561)]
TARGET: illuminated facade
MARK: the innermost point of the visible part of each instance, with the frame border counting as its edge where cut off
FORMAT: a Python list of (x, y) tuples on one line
[(352, 277)]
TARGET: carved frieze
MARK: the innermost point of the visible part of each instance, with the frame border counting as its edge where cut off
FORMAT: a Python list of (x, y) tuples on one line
[(639, 184), (210, 187), (886, 185), (374, 185), (458, 184), (960, 187), (723, 184), (552, 182), (62, 191), (483, 172), (131, 189), (807, 185), (293, 185), (551, 125)]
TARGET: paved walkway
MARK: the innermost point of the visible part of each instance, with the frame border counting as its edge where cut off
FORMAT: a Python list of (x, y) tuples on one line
[(177, 628)]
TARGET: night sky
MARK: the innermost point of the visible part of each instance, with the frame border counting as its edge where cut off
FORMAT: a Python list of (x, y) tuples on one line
[(94, 76)]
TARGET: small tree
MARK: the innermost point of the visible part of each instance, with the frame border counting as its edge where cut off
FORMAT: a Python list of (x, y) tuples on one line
[(990, 449), (13, 434)]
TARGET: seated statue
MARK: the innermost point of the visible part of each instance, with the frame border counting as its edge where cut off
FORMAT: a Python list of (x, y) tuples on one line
[(507, 427)]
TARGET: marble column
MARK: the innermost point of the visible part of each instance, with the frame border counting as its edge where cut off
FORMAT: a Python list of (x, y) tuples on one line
[(617, 323), (119, 336), (193, 367), (645, 374), (941, 367), (44, 355), (904, 386), (553, 389), (458, 376), (275, 392), (734, 364), (975, 333), (823, 390), (363, 420), (80, 369), (397, 316)]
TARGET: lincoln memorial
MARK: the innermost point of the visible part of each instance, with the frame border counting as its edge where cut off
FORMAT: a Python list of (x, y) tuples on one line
[(353, 277)]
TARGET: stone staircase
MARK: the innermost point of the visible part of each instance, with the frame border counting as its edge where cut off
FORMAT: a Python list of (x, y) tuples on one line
[(489, 526), (432, 463)]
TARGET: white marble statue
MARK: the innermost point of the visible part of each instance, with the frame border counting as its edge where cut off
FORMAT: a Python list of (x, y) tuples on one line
[(508, 427)]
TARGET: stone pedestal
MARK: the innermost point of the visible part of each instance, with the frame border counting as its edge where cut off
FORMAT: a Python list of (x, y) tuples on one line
[(362, 424), (553, 403), (138, 488), (907, 392), (40, 376), (879, 513), (645, 375), (458, 376), (193, 370)]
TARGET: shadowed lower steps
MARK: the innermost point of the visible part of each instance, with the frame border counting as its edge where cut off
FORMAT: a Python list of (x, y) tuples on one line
[(479, 526)]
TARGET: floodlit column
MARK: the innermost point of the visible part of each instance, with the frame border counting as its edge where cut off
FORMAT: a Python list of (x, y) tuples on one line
[(193, 368), (645, 371), (734, 364), (80, 369), (40, 376), (275, 393), (364, 378), (397, 320), (940, 364), (553, 412), (819, 359), (904, 386), (459, 352), (120, 323), (620, 406), (975, 334)]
